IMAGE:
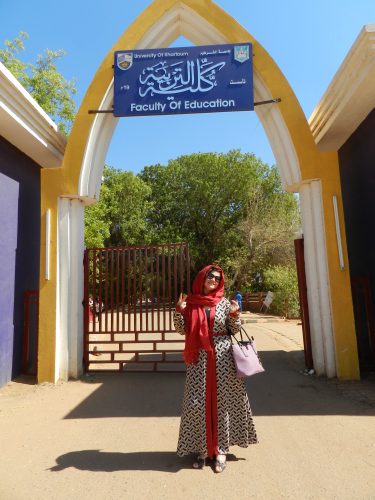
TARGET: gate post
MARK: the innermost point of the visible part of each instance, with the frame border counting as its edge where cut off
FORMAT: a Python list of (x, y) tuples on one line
[(69, 345)]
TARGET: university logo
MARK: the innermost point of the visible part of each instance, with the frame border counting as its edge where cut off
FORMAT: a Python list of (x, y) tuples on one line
[(125, 60), (241, 53)]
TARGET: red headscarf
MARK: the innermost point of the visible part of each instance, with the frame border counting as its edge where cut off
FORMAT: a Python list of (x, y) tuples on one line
[(196, 324)]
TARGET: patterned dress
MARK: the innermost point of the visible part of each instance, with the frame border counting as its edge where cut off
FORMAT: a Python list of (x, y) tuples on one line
[(234, 421)]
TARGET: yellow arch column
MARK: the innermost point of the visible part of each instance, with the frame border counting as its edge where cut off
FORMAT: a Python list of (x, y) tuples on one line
[(322, 166), (313, 165)]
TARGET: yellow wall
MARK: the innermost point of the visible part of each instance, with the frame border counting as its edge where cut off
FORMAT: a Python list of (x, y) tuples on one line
[(51, 189), (313, 164)]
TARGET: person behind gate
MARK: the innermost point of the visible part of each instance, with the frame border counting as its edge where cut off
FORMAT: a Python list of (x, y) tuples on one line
[(216, 412)]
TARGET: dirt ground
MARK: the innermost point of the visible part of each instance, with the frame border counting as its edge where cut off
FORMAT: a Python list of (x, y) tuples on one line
[(113, 436)]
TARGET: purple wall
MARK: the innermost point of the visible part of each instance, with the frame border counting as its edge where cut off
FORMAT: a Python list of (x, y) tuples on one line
[(19, 250), (9, 192)]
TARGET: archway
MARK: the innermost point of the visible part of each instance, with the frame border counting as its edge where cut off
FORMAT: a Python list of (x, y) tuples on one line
[(302, 167)]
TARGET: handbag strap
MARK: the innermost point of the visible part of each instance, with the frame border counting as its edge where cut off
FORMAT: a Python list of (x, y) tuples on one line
[(250, 339), (242, 330)]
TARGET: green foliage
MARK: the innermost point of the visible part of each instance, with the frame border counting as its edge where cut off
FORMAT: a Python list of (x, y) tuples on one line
[(231, 208), (201, 198), (50, 89), (282, 280), (97, 225), (9, 59), (43, 81), (267, 230), (120, 216)]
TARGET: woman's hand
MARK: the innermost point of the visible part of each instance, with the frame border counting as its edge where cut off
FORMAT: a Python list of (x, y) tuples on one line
[(181, 304), (234, 308)]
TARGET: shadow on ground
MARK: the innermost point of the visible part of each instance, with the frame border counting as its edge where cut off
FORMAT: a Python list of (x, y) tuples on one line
[(282, 390), (97, 460)]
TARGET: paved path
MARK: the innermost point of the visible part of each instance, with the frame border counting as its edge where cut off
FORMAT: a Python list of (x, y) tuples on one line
[(113, 436)]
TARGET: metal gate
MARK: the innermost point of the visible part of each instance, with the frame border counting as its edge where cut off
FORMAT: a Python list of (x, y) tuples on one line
[(364, 321), (299, 249), (130, 294)]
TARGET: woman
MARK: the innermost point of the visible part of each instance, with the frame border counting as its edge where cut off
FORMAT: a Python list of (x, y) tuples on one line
[(215, 410)]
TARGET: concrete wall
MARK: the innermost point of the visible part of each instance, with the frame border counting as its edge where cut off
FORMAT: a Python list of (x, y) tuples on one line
[(357, 160)]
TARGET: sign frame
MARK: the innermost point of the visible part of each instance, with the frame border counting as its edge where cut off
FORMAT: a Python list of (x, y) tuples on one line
[(183, 80)]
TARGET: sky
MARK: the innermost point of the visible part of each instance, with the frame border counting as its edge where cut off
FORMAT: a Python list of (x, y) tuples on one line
[(307, 39)]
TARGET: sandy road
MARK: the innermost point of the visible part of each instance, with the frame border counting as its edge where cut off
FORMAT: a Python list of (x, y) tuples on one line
[(114, 436)]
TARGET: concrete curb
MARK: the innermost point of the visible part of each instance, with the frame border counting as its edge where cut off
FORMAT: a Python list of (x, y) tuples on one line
[(263, 319)]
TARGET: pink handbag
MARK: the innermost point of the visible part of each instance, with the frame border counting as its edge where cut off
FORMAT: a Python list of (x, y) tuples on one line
[(246, 357)]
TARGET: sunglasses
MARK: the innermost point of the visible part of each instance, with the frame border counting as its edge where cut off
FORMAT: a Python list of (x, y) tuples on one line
[(213, 277)]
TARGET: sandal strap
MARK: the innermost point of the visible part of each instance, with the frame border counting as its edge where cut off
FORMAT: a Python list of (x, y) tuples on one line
[(220, 464)]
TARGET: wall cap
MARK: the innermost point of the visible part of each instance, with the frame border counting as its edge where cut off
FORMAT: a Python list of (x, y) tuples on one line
[(26, 125), (350, 97)]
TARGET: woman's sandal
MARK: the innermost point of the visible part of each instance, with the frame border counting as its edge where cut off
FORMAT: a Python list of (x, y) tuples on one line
[(199, 462), (220, 465)]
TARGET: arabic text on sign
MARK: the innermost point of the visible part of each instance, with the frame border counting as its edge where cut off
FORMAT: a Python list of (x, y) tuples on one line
[(189, 76)]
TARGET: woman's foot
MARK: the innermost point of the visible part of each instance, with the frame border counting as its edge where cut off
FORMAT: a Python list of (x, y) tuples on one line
[(199, 462), (220, 463)]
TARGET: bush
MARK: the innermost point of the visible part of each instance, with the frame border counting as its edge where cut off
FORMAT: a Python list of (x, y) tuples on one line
[(283, 282)]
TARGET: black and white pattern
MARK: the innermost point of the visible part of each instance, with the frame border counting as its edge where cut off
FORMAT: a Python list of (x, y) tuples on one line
[(235, 423)]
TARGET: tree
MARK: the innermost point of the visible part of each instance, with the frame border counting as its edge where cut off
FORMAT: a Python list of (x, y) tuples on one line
[(120, 216), (43, 81), (200, 198), (97, 225), (272, 219), (9, 59), (282, 280), (231, 208)]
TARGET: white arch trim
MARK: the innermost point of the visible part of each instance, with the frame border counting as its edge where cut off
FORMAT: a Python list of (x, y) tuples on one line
[(181, 20), (316, 268)]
